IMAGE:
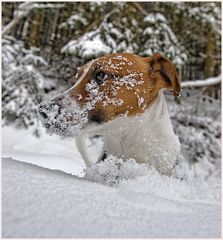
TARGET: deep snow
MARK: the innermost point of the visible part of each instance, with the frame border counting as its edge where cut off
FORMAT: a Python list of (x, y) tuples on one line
[(38, 202), (42, 202)]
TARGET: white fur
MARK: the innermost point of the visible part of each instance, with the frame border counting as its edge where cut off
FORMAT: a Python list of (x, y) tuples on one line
[(148, 137)]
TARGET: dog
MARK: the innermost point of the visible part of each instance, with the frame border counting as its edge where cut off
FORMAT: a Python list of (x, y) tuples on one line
[(120, 96)]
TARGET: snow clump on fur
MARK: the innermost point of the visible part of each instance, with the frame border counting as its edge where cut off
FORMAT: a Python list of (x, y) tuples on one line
[(113, 170)]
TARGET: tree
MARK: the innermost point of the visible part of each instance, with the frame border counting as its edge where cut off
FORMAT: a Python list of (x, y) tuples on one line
[(188, 34), (198, 27), (22, 11), (158, 37), (22, 86)]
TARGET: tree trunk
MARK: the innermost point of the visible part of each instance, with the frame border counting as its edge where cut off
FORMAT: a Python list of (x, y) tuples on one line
[(209, 63)]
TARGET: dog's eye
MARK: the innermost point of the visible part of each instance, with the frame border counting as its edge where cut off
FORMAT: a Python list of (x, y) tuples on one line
[(100, 77)]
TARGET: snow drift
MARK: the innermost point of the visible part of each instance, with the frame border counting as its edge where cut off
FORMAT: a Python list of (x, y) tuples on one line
[(38, 202)]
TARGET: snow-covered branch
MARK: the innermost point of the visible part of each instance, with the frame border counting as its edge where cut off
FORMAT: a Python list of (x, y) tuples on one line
[(23, 10), (202, 83)]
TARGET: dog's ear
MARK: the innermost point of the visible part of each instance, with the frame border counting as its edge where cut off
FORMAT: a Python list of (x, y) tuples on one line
[(167, 74)]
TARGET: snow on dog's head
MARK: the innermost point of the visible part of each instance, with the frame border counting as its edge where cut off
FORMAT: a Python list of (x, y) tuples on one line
[(119, 84)]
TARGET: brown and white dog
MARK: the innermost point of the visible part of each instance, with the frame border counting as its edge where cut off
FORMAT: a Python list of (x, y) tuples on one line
[(119, 96)]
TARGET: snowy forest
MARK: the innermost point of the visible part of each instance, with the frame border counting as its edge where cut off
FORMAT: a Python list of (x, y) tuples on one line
[(43, 46)]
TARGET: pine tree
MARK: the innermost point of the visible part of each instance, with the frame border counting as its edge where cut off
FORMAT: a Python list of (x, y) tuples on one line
[(22, 85), (159, 37), (197, 26)]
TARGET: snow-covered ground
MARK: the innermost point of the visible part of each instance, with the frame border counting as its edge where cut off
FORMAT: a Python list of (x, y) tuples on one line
[(39, 201), (48, 151)]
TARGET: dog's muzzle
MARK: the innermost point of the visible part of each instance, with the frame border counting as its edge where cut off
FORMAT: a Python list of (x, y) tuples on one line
[(62, 116), (51, 106)]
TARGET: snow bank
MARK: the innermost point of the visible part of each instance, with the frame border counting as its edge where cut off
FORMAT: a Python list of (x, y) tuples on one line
[(115, 171), (140, 203), (38, 202), (174, 189)]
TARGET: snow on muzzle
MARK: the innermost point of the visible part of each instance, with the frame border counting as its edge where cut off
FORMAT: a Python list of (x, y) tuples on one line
[(62, 116)]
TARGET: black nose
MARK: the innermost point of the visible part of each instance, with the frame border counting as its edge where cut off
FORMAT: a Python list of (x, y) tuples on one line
[(55, 105), (42, 112)]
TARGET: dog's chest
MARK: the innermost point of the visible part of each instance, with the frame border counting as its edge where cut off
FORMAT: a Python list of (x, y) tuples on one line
[(148, 138)]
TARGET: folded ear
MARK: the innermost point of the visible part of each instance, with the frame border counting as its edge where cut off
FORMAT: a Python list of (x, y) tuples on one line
[(164, 70)]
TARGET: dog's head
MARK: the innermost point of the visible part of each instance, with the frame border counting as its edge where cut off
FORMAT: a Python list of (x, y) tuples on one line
[(108, 87)]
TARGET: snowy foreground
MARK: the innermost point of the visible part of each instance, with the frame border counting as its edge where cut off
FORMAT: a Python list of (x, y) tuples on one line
[(53, 199)]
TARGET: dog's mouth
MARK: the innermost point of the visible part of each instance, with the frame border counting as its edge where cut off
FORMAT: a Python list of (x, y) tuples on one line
[(96, 117)]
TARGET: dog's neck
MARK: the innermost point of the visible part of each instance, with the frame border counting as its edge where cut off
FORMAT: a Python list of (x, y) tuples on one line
[(148, 137)]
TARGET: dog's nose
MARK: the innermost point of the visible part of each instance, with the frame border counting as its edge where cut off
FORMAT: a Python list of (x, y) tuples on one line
[(41, 111), (55, 105)]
